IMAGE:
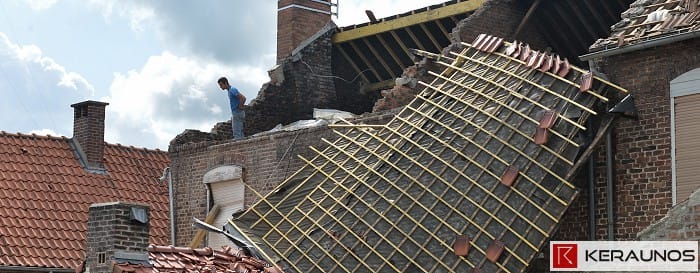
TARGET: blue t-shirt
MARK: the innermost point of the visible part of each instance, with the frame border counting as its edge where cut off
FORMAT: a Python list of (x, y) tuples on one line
[(233, 98)]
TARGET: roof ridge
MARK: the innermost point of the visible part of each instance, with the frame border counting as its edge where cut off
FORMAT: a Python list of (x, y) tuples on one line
[(33, 135), (132, 147)]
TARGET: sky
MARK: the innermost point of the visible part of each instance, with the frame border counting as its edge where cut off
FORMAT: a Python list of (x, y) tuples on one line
[(155, 62)]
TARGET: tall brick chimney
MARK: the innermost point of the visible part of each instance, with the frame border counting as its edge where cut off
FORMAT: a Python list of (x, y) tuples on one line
[(298, 20), (89, 132), (117, 232)]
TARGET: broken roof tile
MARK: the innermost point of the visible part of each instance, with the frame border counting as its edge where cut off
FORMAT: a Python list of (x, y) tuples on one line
[(651, 19)]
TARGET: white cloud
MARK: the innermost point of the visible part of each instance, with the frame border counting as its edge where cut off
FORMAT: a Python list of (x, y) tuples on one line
[(41, 4), (31, 54), (36, 91), (170, 94)]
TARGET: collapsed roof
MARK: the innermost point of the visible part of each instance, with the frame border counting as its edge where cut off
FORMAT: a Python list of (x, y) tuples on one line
[(475, 172)]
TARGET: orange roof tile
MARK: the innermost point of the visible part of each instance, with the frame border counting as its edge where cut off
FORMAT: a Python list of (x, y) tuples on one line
[(652, 19), (185, 259), (45, 194)]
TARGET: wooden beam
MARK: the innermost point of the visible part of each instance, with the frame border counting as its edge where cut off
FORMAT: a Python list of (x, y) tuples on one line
[(401, 44), (379, 58), (443, 29), (388, 84), (601, 27), (415, 39), (431, 37), (409, 20), (566, 30), (579, 16), (526, 18), (199, 237), (391, 51), (352, 63), (364, 59), (604, 127)]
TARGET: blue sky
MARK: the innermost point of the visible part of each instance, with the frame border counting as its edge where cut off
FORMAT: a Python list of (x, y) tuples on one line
[(154, 61)]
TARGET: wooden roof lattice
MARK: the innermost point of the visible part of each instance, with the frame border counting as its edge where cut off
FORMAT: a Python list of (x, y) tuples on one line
[(378, 51), (457, 171)]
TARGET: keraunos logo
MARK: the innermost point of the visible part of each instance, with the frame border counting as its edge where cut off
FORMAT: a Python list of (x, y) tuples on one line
[(564, 256), (631, 256)]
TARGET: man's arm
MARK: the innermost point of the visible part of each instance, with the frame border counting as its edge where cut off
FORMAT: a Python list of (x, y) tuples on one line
[(241, 99)]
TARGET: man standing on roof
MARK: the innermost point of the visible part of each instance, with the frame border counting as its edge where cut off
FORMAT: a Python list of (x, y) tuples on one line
[(236, 100)]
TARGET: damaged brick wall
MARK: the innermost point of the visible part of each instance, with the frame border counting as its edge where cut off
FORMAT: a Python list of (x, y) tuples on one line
[(267, 159), (302, 82)]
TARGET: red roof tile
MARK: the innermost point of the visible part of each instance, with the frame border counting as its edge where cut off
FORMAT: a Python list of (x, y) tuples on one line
[(185, 259), (652, 19), (45, 194)]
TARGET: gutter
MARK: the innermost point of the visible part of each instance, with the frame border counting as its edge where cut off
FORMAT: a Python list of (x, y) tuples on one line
[(170, 202), (11, 268), (643, 45)]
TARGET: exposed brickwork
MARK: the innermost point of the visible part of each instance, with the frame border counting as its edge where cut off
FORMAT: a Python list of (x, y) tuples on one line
[(267, 159), (498, 18), (643, 187), (89, 131), (307, 84), (295, 24), (110, 229)]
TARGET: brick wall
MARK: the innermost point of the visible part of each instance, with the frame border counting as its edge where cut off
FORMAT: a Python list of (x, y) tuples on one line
[(89, 131), (642, 148), (498, 18), (306, 85), (267, 159), (295, 24), (110, 229)]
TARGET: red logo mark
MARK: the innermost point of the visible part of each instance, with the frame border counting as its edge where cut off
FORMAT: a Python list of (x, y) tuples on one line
[(564, 256)]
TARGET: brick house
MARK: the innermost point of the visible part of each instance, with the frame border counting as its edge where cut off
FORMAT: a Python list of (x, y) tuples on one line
[(616, 201), (48, 183)]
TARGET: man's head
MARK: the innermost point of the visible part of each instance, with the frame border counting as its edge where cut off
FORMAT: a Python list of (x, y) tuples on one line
[(223, 83)]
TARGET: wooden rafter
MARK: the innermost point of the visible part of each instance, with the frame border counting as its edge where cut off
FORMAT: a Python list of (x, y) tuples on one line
[(415, 39), (352, 63), (391, 51), (380, 58), (443, 29), (596, 20), (431, 37), (526, 18), (401, 44), (409, 20), (365, 60)]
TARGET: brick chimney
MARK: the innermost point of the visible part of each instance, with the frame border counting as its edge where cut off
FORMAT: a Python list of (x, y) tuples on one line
[(117, 232), (298, 20), (89, 132)]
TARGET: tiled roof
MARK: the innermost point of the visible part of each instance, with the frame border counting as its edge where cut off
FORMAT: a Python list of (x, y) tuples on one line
[(45, 194), (205, 260), (652, 19), (474, 173)]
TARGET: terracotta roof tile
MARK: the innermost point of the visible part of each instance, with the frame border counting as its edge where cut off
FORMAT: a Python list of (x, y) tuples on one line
[(651, 19), (45, 194), (179, 259)]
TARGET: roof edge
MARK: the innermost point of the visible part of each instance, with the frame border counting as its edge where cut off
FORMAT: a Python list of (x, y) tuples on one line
[(643, 45), (35, 269)]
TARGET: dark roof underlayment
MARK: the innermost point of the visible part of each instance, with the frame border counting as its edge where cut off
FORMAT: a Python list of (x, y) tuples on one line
[(473, 173)]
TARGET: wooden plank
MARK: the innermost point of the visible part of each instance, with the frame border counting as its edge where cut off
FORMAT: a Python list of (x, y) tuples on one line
[(406, 21), (199, 236)]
